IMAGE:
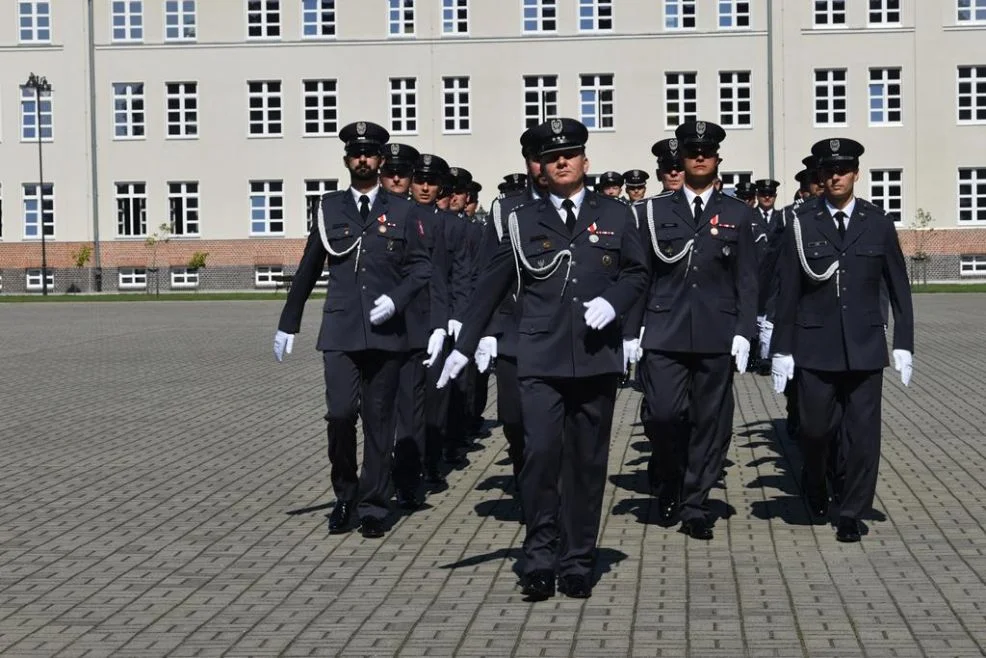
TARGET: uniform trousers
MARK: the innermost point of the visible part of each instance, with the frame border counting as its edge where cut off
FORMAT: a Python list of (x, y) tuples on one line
[(843, 407), (362, 383), (567, 423), (689, 397), (412, 448), (460, 408), (480, 398), (509, 411), (436, 411)]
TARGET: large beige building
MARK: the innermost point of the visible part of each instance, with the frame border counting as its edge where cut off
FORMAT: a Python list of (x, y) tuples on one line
[(220, 117)]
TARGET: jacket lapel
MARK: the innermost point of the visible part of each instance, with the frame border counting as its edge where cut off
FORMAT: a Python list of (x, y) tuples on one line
[(680, 204), (549, 218), (857, 225), (711, 209), (588, 214), (377, 208), (349, 209), (826, 226)]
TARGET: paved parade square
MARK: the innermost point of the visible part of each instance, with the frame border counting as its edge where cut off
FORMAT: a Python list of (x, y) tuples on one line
[(165, 487)]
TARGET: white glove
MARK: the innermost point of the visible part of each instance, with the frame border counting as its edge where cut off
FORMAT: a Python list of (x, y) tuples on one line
[(766, 331), (760, 320), (435, 344), (383, 309), (485, 352), (782, 370), (282, 344), (631, 352), (454, 327), (903, 363), (454, 364), (741, 350), (599, 313)]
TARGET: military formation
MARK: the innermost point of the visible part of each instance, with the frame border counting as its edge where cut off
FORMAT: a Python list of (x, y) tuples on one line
[(562, 291)]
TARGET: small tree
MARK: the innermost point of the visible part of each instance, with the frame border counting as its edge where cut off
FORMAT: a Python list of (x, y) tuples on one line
[(197, 261), (162, 235), (80, 258), (922, 232)]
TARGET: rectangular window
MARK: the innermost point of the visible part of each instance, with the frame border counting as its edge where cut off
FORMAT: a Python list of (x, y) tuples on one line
[(128, 110), (455, 17), (455, 105), (540, 16), (735, 99), (730, 179), (179, 20), (885, 101), (403, 106), (321, 107), (31, 117), (886, 191), (315, 189), (39, 209), (267, 276), (595, 15), (128, 20), (34, 21), (971, 11), (266, 207), (680, 99), (540, 99), (401, 18), (734, 14), (131, 209), (679, 14), (596, 101), (972, 265), (884, 13), (264, 98), (830, 97), (32, 280), (181, 277), (132, 278), (183, 208), (263, 19), (972, 94), (318, 19), (182, 100), (829, 13), (972, 195)]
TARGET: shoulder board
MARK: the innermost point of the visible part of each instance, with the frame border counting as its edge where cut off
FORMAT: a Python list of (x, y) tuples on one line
[(731, 197), (807, 208), (611, 199), (660, 195), (869, 206), (394, 197)]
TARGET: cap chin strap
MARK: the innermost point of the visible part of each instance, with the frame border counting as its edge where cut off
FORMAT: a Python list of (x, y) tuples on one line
[(328, 247), (814, 276), (539, 273)]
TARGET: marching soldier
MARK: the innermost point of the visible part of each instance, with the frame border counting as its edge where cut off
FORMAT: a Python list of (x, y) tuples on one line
[(746, 192), (472, 200), (829, 325), (579, 267), (395, 174), (369, 242), (635, 182), (610, 184), (514, 183), (700, 309), (669, 168)]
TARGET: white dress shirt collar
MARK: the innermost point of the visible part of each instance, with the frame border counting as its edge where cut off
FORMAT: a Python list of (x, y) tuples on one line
[(848, 209), (690, 196), (372, 195)]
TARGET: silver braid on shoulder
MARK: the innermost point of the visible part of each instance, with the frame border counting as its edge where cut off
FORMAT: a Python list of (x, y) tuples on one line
[(536, 272)]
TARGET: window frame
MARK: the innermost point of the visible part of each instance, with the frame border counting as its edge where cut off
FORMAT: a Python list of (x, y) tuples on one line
[(270, 273), (884, 12), (977, 75), (128, 21), (319, 24), (598, 87), (134, 194), (978, 203), (680, 16), (540, 8), (886, 181), (35, 273), (264, 24), (266, 110), (735, 15), (682, 114), (455, 7), (190, 280), (135, 274), (316, 188), (975, 6), (183, 96), (320, 94), (457, 106), (831, 13), (133, 93), (269, 207), (595, 18), (35, 17), (40, 223), (830, 86), (402, 7), (887, 97), (407, 86), (542, 89), (182, 25), (736, 101), (182, 219), (42, 99)]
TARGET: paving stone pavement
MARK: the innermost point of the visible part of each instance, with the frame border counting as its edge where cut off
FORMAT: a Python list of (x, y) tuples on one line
[(165, 484)]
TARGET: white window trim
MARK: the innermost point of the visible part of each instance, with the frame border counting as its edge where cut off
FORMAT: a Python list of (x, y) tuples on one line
[(831, 13), (453, 35), (682, 115), (884, 183), (468, 105), (198, 208), (325, 185), (595, 29), (319, 24), (320, 95), (830, 111), (884, 11), (266, 94), (414, 22), (264, 23), (958, 121), (735, 15), (130, 96), (958, 197), (972, 14), (51, 101), (270, 272), (181, 25), (404, 105), (35, 30), (681, 16), (131, 197), (886, 97), (54, 215), (976, 260), (134, 274), (268, 220), (540, 19), (190, 280), (541, 89), (597, 87), (181, 95), (35, 272), (128, 25), (735, 101)]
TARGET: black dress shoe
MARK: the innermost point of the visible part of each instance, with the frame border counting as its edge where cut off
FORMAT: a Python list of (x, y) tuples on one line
[(667, 509), (539, 585), (340, 517), (848, 530), (406, 499), (371, 528), (575, 586), (454, 457), (434, 478), (697, 529)]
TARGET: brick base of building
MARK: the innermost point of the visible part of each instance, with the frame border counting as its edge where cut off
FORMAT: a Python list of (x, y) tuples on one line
[(232, 264)]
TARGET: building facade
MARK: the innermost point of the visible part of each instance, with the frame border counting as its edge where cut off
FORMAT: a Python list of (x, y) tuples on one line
[(214, 124)]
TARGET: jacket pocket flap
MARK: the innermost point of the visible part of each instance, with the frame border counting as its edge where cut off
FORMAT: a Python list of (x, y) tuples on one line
[(809, 320), (871, 250), (659, 304), (538, 325)]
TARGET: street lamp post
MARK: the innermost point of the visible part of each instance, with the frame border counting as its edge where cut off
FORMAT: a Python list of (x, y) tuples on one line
[(40, 85)]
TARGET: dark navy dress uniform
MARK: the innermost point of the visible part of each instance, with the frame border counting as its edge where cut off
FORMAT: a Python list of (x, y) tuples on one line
[(834, 329), (383, 254)]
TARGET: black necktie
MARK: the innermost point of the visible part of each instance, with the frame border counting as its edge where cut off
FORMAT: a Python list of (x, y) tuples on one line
[(840, 217), (364, 207), (698, 207), (568, 205)]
